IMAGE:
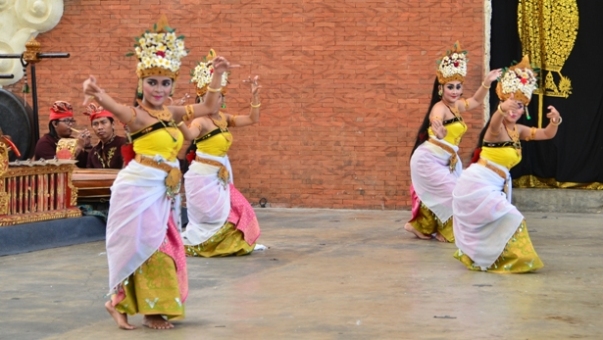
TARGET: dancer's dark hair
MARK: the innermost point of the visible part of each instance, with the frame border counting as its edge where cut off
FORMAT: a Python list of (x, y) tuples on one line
[(480, 140), (422, 134)]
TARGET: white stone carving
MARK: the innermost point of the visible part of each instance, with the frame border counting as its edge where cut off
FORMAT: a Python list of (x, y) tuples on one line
[(21, 20)]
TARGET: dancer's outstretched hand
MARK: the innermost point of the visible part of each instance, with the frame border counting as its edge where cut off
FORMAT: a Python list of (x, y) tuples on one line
[(91, 90), (553, 115), (438, 128), (222, 65), (254, 83)]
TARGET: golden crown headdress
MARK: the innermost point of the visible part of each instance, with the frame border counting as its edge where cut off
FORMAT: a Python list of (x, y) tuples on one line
[(520, 80), (203, 73), (159, 51), (453, 65)]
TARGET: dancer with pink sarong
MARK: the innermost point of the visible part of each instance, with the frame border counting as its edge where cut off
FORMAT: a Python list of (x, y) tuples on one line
[(147, 264), (434, 164), (220, 220)]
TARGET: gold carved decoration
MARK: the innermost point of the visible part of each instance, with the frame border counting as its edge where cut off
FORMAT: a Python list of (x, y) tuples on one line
[(66, 148), (548, 30), (3, 158), (32, 50), (32, 191)]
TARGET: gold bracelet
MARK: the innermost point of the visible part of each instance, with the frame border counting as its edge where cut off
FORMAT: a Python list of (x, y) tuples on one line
[(501, 111), (558, 123), (209, 89), (255, 106), (484, 86)]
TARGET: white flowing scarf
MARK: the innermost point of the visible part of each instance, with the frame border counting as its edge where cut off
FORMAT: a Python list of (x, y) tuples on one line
[(207, 199), (484, 218), (432, 179), (138, 217)]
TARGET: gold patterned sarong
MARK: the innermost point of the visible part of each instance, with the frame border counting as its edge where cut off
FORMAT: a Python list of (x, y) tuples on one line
[(225, 242), (153, 289), (427, 223), (518, 256)]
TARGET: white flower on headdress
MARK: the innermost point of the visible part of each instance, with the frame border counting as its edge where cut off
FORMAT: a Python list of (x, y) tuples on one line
[(522, 80), (453, 64), (160, 50), (202, 75), (224, 81), (147, 62)]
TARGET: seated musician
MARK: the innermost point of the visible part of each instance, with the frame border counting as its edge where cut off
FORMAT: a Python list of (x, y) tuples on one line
[(107, 153), (60, 126)]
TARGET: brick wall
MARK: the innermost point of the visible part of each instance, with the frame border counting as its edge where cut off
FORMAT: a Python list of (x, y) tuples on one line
[(346, 83)]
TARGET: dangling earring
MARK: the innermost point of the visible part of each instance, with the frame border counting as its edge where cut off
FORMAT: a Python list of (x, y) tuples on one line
[(139, 89), (440, 91), (223, 102), (173, 89)]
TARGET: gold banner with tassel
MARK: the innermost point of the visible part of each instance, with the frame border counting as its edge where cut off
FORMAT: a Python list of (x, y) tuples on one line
[(548, 30)]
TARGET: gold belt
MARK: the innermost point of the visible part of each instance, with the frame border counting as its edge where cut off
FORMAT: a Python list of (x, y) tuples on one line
[(172, 180), (499, 172), (453, 155), (223, 173)]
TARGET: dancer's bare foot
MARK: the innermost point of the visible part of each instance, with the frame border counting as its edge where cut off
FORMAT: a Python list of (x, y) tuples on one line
[(120, 319), (156, 322), (440, 237), (408, 227)]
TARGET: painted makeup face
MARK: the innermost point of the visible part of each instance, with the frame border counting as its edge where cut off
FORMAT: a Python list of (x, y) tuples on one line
[(514, 115), (156, 90), (103, 128), (452, 91)]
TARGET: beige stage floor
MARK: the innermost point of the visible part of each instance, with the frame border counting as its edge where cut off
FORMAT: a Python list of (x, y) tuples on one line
[(330, 274)]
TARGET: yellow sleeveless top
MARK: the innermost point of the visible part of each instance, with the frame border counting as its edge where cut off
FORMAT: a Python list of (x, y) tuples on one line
[(455, 128), (160, 142), (507, 156), (455, 133), (217, 145)]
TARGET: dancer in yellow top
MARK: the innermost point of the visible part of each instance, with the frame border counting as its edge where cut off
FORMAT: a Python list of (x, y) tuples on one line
[(434, 164), (490, 233), (220, 220), (147, 265)]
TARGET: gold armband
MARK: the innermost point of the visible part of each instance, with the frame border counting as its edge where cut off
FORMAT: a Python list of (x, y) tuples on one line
[(209, 89), (532, 134), (255, 106), (131, 118), (466, 104), (231, 121), (190, 111)]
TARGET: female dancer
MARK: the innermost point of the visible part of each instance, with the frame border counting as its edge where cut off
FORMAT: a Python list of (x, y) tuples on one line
[(221, 221), (147, 266), (490, 232), (435, 165)]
